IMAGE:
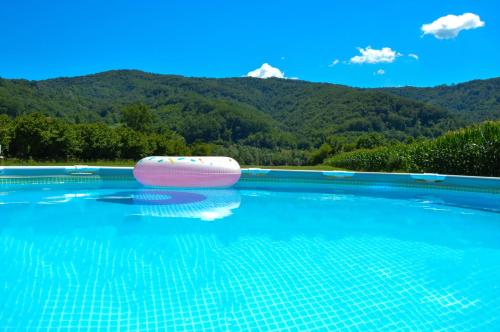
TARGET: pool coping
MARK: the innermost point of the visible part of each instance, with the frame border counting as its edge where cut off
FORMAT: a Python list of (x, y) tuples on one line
[(258, 178), (251, 171)]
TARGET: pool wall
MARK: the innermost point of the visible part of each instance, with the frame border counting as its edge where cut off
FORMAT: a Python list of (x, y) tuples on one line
[(253, 178)]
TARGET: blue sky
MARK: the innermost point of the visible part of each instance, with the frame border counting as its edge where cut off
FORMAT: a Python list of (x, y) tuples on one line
[(46, 39)]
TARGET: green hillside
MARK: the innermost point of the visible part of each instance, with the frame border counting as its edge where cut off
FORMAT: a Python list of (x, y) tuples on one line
[(257, 121), (475, 100), (231, 109)]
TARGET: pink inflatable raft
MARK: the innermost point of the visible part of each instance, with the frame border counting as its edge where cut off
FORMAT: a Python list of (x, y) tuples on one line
[(187, 172)]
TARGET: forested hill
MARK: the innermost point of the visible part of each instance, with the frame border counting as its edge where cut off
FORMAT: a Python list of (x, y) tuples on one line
[(475, 100), (238, 110)]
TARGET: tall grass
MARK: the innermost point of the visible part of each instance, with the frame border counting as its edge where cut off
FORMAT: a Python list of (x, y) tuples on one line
[(470, 151)]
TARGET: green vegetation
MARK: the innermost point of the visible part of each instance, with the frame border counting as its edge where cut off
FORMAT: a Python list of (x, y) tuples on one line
[(109, 163), (35, 137), (125, 115), (473, 101), (270, 114), (470, 151)]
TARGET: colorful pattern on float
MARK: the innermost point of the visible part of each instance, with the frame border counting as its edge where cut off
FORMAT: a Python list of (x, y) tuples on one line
[(187, 172)]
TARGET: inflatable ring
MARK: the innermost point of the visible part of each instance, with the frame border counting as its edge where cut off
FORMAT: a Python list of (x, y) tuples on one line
[(187, 172)]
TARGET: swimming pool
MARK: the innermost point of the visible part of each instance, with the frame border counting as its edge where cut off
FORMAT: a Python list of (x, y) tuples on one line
[(93, 250)]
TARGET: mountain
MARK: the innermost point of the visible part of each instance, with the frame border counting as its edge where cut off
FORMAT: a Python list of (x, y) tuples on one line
[(263, 113), (475, 100)]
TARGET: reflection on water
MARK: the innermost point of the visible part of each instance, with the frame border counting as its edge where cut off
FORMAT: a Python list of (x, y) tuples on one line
[(205, 204), (153, 197)]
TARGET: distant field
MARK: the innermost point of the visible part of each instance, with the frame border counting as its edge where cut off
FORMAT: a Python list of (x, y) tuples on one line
[(129, 163)]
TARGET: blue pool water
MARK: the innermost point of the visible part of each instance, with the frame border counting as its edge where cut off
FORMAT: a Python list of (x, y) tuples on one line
[(126, 258)]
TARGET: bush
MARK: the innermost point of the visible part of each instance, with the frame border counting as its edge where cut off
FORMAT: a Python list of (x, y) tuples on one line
[(39, 137), (6, 133), (392, 158), (470, 151)]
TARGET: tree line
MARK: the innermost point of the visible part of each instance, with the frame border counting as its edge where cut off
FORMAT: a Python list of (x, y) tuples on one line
[(43, 138), (139, 133), (39, 137)]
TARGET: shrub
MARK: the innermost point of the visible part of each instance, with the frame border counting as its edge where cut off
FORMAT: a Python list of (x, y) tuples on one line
[(470, 151)]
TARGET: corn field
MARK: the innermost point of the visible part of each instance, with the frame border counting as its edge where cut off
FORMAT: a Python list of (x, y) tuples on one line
[(473, 150)]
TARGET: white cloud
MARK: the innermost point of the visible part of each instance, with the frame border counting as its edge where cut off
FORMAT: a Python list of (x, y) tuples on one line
[(379, 72), (370, 55), (266, 71), (334, 63), (413, 55), (449, 26)]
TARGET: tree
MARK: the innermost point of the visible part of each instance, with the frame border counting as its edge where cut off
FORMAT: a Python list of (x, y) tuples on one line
[(321, 154), (368, 141), (201, 149), (38, 136), (98, 141), (138, 117), (133, 145), (6, 129), (168, 145)]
